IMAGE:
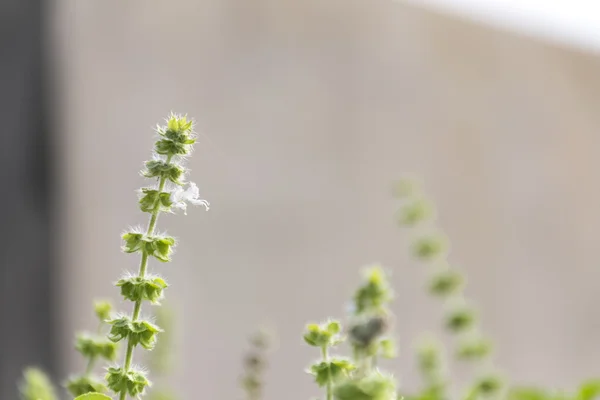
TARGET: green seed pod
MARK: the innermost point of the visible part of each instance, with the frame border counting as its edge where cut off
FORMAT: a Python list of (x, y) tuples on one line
[(133, 382), (137, 288), (159, 168), (137, 332), (149, 198)]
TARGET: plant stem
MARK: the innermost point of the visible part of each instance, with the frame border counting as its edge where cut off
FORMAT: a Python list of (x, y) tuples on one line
[(329, 381), (142, 272), (90, 366)]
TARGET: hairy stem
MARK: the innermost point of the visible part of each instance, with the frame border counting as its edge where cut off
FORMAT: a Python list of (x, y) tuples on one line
[(329, 381), (141, 273)]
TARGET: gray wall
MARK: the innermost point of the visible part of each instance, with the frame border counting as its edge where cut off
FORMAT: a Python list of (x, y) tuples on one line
[(308, 111)]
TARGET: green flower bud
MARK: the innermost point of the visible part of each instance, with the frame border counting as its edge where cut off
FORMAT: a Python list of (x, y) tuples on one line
[(430, 246), (415, 212), (83, 384), (137, 288), (375, 386), (160, 168), (92, 347), (374, 294), (474, 348), (159, 247), (133, 382), (138, 332), (149, 199), (324, 335), (445, 282), (177, 137), (334, 369), (460, 319), (488, 385), (102, 309)]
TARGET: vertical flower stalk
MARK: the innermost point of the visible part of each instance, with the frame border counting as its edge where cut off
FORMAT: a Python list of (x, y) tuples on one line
[(328, 370), (93, 347), (431, 247), (166, 168)]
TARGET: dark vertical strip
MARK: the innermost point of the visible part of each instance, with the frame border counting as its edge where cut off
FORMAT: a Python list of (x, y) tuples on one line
[(25, 176)]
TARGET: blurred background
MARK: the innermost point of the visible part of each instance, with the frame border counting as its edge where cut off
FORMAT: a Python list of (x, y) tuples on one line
[(307, 111)]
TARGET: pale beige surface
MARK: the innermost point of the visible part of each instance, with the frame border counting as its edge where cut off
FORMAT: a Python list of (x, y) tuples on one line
[(308, 111)]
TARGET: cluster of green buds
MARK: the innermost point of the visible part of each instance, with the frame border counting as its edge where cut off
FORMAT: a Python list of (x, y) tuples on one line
[(166, 168), (93, 347), (358, 378), (255, 364), (431, 247), (329, 370)]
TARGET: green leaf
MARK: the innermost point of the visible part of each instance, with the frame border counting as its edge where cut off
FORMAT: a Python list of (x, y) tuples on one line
[(93, 396), (589, 390)]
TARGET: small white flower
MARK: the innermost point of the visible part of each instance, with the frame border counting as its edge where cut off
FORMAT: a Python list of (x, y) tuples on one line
[(180, 197)]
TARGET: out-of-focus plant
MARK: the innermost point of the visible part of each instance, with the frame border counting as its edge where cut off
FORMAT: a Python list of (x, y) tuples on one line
[(93, 346), (255, 364), (35, 385), (357, 378), (431, 247)]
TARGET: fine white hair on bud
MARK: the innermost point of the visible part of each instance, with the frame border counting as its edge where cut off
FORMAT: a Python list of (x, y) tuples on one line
[(180, 197)]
